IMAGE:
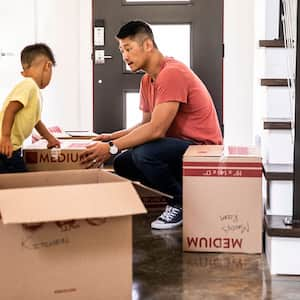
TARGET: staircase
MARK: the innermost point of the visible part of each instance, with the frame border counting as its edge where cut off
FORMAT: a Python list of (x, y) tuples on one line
[(282, 242)]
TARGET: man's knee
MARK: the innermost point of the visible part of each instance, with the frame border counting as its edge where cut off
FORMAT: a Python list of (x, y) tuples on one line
[(120, 164), (142, 154)]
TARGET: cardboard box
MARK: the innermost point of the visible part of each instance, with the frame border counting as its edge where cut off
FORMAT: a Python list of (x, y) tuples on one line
[(66, 235), (59, 133), (39, 158), (222, 199), (81, 135)]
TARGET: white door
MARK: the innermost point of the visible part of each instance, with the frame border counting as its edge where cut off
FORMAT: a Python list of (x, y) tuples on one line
[(66, 27)]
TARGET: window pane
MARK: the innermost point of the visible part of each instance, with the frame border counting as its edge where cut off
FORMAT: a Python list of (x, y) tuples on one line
[(133, 113), (173, 40)]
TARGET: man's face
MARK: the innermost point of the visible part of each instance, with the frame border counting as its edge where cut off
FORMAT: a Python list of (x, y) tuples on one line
[(133, 53)]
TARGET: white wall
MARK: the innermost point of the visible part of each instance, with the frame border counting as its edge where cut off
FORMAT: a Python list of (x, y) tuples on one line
[(66, 27), (271, 19), (238, 71), (16, 30), (85, 66), (245, 23), (261, 32)]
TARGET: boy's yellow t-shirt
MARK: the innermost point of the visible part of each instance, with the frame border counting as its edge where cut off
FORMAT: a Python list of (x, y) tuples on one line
[(26, 92)]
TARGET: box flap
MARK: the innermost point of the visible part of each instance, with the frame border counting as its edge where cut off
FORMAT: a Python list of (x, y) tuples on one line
[(142, 190), (241, 151), (50, 178), (82, 134), (57, 203), (145, 191), (56, 131), (76, 144), (220, 153), (204, 150)]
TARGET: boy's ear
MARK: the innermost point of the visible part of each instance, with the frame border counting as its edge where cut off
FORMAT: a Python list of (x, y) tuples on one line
[(49, 64)]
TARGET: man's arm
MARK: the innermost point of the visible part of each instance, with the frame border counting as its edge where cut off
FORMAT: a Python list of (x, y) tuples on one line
[(6, 146), (44, 132), (161, 119), (104, 137)]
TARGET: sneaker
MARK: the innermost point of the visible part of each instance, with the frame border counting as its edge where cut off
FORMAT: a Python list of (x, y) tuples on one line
[(170, 218)]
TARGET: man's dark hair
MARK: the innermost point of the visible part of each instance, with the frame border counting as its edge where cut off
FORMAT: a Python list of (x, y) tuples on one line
[(135, 28), (31, 52)]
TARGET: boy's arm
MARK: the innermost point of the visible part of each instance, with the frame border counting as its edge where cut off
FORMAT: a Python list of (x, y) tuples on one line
[(44, 132), (12, 108)]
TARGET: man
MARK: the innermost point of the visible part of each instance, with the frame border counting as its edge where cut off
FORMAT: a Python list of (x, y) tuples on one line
[(177, 112)]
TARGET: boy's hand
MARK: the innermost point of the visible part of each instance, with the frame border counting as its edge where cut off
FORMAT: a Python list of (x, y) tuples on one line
[(6, 146), (53, 142)]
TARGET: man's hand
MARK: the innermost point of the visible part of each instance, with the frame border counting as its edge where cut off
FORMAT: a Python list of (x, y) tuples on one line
[(103, 137), (53, 142), (95, 154), (6, 146)]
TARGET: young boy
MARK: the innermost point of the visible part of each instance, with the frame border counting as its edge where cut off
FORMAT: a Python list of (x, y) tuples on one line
[(21, 111)]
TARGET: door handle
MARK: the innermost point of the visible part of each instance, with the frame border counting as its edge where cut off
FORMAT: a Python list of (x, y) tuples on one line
[(100, 57)]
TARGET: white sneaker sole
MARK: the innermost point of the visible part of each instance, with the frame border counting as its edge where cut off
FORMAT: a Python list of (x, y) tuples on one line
[(156, 225)]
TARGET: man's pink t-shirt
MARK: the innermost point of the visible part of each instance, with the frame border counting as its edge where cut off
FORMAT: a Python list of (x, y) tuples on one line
[(196, 119)]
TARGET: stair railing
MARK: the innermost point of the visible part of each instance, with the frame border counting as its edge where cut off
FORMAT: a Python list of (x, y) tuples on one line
[(291, 21)]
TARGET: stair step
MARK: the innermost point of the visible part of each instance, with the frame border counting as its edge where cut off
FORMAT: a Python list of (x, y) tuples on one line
[(278, 171), (277, 123), (272, 43), (274, 226), (274, 82)]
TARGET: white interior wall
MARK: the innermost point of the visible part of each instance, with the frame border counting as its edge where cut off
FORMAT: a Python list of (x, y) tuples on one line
[(16, 31), (65, 27), (238, 71), (271, 19), (259, 92), (85, 66), (59, 30)]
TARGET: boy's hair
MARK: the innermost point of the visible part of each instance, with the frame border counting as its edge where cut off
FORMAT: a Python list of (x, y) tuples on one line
[(134, 28), (31, 52)]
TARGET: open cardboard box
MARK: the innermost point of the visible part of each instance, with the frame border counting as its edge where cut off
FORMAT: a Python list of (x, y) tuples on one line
[(59, 133), (222, 199), (38, 157), (67, 235), (81, 135)]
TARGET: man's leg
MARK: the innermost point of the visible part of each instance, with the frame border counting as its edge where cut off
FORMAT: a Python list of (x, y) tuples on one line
[(125, 167), (160, 162)]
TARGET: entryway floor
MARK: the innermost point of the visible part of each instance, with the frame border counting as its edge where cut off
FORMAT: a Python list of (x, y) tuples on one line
[(162, 271)]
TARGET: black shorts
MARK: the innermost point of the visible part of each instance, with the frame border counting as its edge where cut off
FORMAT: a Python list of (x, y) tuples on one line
[(14, 164)]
